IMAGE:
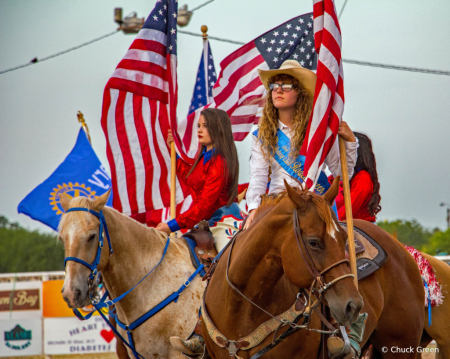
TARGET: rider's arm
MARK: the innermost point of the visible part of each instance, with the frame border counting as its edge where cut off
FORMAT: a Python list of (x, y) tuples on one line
[(333, 159), (259, 173)]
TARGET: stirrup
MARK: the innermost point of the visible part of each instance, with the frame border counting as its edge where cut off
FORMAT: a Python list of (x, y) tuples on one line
[(337, 348), (194, 346)]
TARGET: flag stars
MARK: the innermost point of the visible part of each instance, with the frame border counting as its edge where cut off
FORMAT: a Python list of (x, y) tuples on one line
[(306, 32), (310, 63), (165, 20), (155, 18), (165, 7), (285, 34), (291, 43), (269, 49), (281, 42), (199, 87), (174, 15), (302, 49), (272, 41), (287, 50), (301, 21), (263, 40), (288, 26), (170, 47), (275, 33), (278, 50), (173, 31), (308, 43), (295, 56), (302, 62), (298, 28), (275, 59), (294, 35), (199, 96), (309, 25), (308, 56), (211, 83), (160, 12), (209, 67)]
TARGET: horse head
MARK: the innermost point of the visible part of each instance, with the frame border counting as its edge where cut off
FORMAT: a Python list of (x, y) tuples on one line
[(79, 232), (320, 241)]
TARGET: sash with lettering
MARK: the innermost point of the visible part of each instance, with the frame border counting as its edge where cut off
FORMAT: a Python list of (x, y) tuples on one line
[(295, 166)]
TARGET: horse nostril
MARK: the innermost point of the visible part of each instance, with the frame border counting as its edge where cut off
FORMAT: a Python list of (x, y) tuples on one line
[(351, 309), (77, 294)]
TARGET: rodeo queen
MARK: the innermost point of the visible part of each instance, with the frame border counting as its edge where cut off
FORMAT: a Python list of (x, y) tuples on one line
[(213, 178), (279, 136)]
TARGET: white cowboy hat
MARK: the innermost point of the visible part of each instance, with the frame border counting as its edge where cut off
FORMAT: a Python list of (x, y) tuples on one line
[(294, 69)]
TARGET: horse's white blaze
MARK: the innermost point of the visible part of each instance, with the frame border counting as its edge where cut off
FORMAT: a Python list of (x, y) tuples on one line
[(332, 231)]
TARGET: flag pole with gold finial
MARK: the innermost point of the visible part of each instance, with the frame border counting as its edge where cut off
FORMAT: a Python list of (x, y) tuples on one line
[(84, 125)]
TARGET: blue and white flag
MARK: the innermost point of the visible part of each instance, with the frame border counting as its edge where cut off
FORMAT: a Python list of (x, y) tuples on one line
[(206, 78), (81, 174)]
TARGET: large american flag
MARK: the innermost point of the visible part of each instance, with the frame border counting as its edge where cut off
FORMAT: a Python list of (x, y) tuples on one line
[(139, 104), (328, 105), (238, 89)]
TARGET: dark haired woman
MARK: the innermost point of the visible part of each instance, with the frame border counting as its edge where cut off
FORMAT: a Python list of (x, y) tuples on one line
[(213, 178), (364, 185)]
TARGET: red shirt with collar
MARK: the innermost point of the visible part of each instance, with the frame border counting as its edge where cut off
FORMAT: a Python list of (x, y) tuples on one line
[(208, 186), (361, 190)]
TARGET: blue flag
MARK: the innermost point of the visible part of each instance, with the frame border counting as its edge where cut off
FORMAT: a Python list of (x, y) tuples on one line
[(81, 174), (206, 78)]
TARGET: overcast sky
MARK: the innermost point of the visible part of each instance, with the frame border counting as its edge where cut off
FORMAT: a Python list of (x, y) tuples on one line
[(406, 114)]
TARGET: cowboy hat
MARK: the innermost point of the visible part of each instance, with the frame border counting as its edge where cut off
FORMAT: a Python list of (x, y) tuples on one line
[(294, 69)]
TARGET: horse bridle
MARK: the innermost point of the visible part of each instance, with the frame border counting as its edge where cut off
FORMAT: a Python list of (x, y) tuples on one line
[(103, 229), (318, 276)]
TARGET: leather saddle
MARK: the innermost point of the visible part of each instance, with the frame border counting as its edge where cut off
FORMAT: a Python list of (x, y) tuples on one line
[(201, 241), (370, 256)]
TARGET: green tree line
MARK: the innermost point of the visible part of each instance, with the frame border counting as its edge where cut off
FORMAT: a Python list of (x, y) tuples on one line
[(22, 250)]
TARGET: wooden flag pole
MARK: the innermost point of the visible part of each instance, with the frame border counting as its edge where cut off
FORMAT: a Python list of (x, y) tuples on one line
[(348, 209), (173, 180)]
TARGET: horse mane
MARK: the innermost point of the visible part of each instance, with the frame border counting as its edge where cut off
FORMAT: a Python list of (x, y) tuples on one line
[(321, 204)]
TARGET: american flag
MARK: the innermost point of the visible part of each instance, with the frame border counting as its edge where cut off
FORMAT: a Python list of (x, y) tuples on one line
[(139, 104), (328, 105), (206, 78), (238, 89)]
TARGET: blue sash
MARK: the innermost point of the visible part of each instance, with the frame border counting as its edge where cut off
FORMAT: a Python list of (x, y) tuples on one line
[(295, 167)]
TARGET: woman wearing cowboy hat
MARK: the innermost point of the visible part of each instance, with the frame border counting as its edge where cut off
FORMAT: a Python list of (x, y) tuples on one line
[(283, 127)]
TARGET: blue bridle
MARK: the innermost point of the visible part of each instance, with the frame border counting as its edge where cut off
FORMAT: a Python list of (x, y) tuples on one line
[(103, 227)]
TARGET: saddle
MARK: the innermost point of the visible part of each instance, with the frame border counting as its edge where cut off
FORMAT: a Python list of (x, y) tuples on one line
[(201, 243), (370, 256)]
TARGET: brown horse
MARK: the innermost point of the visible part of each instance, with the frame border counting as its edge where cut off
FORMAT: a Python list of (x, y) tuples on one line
[(267, 267), (137, 249), (439, 330)]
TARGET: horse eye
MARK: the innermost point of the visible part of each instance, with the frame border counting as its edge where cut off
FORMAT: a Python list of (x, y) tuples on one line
[(314, 244), (91, 237)]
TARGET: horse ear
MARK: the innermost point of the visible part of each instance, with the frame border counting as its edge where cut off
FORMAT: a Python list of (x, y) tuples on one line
[(333, 191), (293, 195), (100, 202), (64, 200)]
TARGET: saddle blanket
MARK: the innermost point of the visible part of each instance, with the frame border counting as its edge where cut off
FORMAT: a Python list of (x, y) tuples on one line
[(434, 290)]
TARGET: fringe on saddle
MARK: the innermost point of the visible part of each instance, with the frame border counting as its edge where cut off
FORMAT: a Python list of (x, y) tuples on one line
[(428, 276)]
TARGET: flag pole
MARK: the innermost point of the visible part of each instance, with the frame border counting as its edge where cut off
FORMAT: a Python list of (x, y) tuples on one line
[(348, 210), (173, 180)]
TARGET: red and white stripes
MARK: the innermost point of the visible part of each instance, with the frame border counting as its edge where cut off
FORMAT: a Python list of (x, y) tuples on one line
[(328, 105)]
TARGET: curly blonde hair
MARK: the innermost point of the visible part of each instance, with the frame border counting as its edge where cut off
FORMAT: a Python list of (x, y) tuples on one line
[(268, 124)]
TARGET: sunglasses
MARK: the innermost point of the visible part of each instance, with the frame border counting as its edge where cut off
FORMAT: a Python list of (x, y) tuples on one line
[(284, 87)]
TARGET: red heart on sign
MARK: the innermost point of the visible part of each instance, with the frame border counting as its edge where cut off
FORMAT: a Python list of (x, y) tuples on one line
[(108, 335)]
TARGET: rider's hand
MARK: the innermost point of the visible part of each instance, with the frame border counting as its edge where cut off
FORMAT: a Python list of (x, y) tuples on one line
[(169, 141), (163, 227), (345, 132), (249, 220)]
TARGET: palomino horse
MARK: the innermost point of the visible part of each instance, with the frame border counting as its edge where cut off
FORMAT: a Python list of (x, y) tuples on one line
[(137, 249), (266, 265)]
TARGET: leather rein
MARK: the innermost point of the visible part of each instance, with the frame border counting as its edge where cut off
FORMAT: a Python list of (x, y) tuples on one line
[(310, 305)]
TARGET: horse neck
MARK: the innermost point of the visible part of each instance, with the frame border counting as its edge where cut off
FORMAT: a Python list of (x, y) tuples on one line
[(256, 270), (137, 249)]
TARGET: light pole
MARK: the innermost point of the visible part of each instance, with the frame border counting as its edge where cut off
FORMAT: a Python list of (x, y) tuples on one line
[(443, 204)]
